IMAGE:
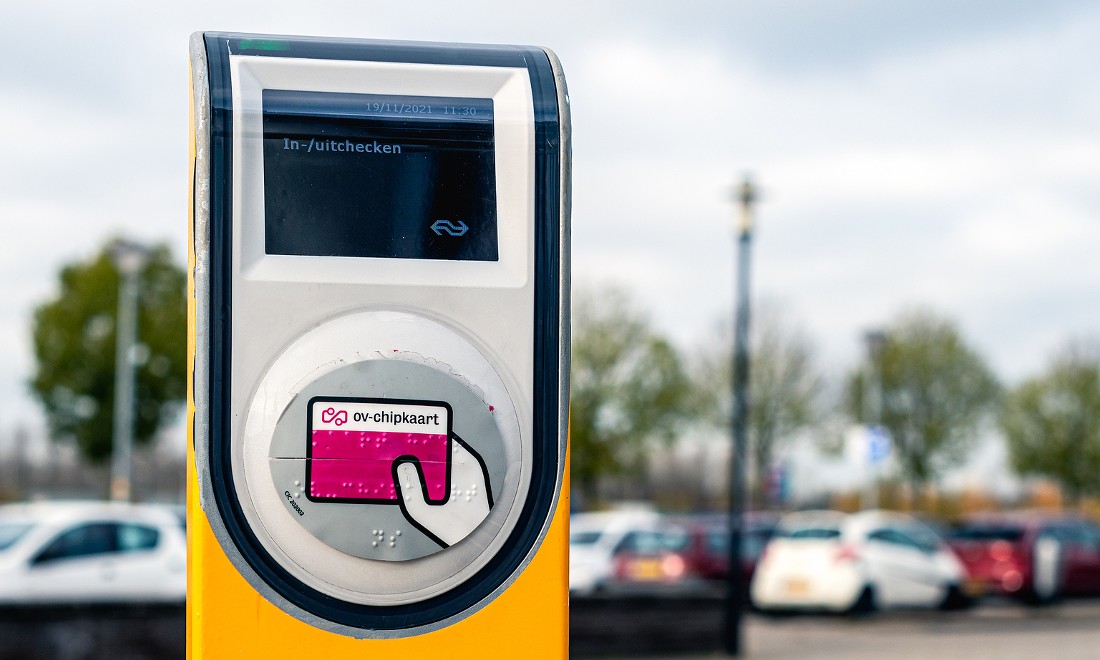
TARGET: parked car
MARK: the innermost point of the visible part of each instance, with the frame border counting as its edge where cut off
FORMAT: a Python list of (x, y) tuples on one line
[(856, 562), (653, 561), (1032, 556), (91, 552), (594, 538), (707, 552), (685, 553)]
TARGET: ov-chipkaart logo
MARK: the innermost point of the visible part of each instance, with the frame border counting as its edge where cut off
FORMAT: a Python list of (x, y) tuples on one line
[(334, 416)]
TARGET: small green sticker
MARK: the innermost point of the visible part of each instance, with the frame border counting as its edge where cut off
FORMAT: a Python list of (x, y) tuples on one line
[(264, 44)]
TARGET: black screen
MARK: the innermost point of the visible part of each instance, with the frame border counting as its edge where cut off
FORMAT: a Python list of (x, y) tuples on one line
[(369, 175)]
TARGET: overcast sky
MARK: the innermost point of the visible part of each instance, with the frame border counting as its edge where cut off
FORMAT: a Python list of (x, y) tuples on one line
[(911, 152)]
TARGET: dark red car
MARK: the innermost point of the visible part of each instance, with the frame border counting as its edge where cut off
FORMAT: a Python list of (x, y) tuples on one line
[(688, 551), (707, 548), (1035, 557)]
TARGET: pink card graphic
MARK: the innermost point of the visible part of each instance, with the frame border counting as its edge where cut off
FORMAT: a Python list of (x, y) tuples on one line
[(353, 445)]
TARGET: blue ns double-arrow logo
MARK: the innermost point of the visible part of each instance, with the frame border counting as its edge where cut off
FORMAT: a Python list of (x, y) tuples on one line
[(446, 226)]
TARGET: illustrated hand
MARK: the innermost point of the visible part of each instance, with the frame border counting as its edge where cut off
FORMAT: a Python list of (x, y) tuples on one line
[(466, 506)]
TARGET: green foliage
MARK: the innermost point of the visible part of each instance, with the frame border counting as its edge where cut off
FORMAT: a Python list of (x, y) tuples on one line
[(628, 388), (74, 345), (1052, 422), (785, 385), (935, 393)]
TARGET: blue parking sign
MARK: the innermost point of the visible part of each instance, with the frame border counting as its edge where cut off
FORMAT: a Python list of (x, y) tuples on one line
[(879, 444)]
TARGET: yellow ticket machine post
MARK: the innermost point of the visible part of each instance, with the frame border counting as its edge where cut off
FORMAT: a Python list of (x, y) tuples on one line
[(379, 336)]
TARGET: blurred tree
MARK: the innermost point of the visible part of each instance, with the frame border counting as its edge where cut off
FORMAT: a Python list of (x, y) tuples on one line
[(74, 345), (935, 392), (785, 385), (628, 388), (1052, 422)]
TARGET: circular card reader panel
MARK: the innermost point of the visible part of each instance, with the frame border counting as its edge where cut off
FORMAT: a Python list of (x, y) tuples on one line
[(383, 459), (418, 474)]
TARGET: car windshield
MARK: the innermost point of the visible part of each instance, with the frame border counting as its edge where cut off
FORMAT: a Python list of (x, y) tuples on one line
[(11, 532), (584, 538), (752, 542), (988, 533), (650, 542), (808, 532)]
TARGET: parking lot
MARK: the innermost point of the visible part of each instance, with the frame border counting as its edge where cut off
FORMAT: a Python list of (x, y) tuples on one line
[(1000, 630), (690, 628), (684, 628), (93, 632)]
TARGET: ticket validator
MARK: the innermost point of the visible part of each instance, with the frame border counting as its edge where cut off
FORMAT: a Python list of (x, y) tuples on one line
[(379, 336)]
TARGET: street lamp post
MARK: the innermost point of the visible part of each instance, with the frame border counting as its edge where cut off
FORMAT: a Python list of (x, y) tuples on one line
[(129, 259), (736, 587)]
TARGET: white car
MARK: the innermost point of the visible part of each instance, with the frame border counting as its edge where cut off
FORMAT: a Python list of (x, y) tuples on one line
[(91, 552), (856, 562), (593, 541)]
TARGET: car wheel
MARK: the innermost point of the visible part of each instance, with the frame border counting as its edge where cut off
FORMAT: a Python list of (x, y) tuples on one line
[(1046, 571), (955, 599), (865, 604)]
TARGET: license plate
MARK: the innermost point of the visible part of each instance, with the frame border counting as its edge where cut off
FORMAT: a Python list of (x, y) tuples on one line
[(646, 570), (798, 586), (974, 588)]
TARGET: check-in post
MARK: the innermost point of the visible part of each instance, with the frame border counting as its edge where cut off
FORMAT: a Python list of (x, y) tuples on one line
[(379, 335)]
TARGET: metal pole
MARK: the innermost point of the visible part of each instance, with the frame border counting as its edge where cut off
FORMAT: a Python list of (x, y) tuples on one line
[(736, 587), (19, 481), (129, 260), (876, 342)]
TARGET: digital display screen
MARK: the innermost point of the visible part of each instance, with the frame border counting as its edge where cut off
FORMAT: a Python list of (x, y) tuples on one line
[(371, 175)]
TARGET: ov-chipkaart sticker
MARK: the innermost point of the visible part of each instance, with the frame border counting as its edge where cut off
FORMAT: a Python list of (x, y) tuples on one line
[(355, 444)]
